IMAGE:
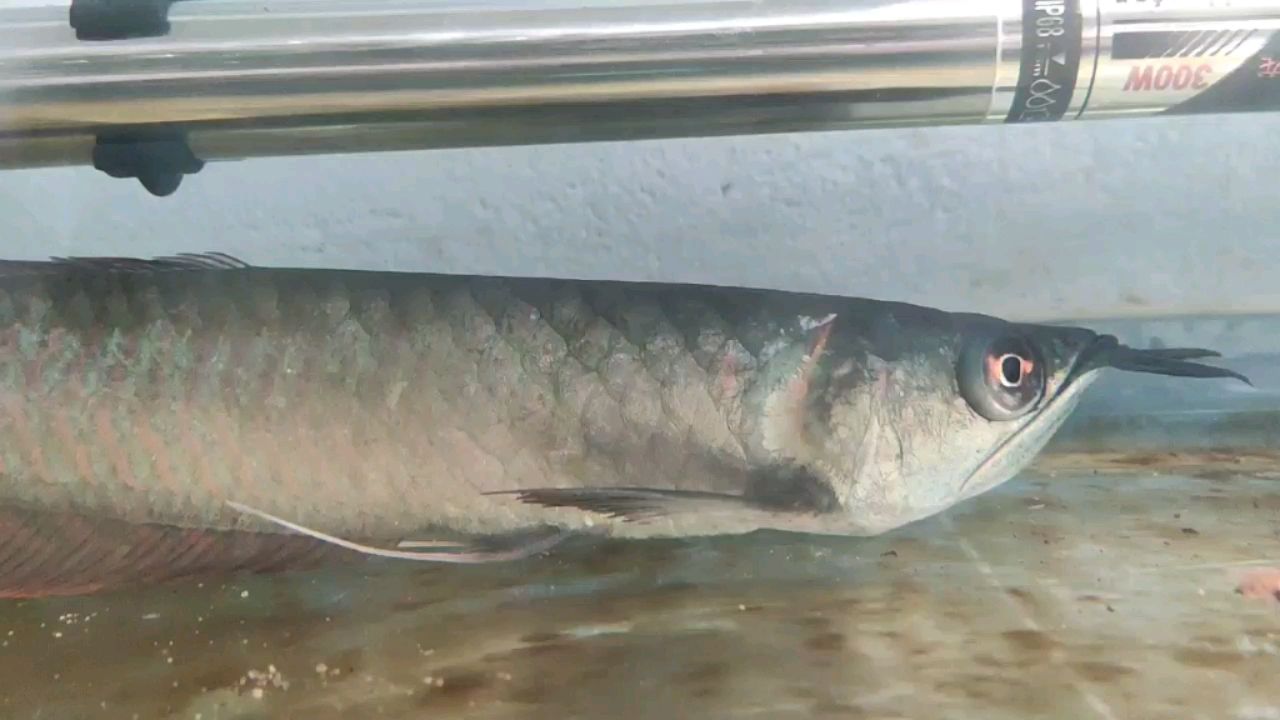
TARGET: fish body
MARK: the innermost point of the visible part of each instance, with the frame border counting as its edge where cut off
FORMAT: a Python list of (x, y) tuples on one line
[(178, 411)]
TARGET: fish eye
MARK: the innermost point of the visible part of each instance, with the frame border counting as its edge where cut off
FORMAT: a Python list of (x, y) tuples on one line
[(1001, 378)]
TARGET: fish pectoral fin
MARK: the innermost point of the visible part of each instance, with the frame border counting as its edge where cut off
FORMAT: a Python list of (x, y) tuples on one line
[(633, 503), (778, 491), (520, 546)]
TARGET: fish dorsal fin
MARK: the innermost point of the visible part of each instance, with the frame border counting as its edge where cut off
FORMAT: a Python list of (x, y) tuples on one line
[(106, 264)]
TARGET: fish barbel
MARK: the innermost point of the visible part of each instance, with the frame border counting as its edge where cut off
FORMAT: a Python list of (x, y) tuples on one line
[(191, 414)]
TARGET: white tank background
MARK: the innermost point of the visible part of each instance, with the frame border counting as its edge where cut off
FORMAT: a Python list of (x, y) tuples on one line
[(1102, 218)]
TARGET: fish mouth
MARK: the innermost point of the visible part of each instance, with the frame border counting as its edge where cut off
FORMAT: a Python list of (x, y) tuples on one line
[(1106, 351)]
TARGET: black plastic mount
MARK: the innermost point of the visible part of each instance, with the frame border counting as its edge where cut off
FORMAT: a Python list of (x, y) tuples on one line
[(157, 157), (119, 19)]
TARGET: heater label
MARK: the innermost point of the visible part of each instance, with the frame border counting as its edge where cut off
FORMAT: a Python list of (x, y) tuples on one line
[(1050, 60)]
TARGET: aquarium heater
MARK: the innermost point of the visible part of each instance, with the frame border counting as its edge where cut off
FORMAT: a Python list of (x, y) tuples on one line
[(154, 89)]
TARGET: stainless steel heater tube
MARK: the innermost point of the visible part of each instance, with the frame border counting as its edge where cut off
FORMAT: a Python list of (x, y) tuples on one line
[(153, 88)]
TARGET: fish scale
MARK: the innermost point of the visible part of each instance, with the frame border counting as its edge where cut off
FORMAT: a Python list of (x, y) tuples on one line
[(251, 390), (611, 337)]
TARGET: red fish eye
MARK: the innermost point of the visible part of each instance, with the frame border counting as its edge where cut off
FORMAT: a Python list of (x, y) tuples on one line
[(1001, 378)]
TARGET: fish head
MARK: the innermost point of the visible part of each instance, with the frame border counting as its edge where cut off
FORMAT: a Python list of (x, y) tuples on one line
[(907, 411)]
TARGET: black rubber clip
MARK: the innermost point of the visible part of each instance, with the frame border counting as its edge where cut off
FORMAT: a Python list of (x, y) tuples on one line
[(119, 19), (157, 158)]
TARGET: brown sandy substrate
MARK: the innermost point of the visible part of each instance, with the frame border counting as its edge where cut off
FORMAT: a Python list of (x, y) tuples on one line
[(1065, 594), (1225, 462)]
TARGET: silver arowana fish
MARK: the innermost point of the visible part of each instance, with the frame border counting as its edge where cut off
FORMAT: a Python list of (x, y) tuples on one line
[(169, 417)]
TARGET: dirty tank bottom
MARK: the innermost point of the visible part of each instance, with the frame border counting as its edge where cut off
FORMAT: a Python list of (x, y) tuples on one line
[(1066, 593)]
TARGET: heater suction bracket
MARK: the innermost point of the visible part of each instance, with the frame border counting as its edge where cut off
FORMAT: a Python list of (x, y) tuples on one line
[(98, 20), (157, 158)]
